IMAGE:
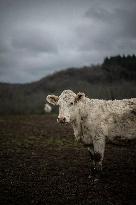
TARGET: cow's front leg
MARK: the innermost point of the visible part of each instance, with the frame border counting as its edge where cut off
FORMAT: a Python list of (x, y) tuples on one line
[(91, 153), (99, 147)]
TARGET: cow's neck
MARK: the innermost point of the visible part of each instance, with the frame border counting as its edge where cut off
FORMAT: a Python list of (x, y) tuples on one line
[(77, 122)]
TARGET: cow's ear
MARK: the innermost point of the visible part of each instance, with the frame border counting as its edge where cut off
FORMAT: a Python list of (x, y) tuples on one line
[(52, 99), (79, 96)]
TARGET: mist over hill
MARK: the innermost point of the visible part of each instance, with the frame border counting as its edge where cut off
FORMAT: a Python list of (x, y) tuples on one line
[(114, 79)]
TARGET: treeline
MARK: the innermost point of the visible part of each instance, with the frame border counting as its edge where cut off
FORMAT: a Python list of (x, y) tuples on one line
[(114, 79), (128, 62), (120, 67)]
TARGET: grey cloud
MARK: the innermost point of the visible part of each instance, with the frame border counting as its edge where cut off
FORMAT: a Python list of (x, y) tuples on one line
[(109, 28), (34, 40), (99, 13), (122, 19), (5, 45)]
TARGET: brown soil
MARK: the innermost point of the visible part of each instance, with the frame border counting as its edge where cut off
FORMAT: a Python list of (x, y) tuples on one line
[(40, 163)]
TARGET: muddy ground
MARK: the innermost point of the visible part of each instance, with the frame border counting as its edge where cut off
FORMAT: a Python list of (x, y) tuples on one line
[(40, 163)]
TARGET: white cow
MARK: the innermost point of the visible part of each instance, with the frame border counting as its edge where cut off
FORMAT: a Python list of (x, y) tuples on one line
[(47, 108), (95, 120)]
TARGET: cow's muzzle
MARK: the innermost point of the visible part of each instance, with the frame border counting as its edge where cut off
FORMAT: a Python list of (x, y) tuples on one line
[(61, 119)]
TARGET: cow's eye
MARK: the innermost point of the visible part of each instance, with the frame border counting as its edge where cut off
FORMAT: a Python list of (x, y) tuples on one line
[(71, 103)]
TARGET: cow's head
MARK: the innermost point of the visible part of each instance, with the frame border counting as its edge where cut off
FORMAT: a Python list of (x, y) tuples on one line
[(68, 105)]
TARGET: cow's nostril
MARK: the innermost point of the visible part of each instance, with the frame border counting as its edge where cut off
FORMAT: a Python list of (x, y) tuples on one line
[(61, 119)]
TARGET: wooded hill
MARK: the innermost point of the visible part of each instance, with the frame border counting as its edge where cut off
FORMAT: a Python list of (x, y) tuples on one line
[(114, 79)]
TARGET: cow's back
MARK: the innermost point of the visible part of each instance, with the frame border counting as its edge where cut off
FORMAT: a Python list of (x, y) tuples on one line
[(121, 120)]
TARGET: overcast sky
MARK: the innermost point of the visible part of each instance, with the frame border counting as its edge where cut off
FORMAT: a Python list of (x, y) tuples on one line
[(39, 37)]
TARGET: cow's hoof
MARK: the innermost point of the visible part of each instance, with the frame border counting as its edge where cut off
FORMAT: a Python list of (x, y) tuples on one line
[(96, 180), (98, 168), (90, 176), (93, 179)]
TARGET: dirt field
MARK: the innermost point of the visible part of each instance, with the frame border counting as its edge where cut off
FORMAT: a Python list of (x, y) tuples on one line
[(40, 163)]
